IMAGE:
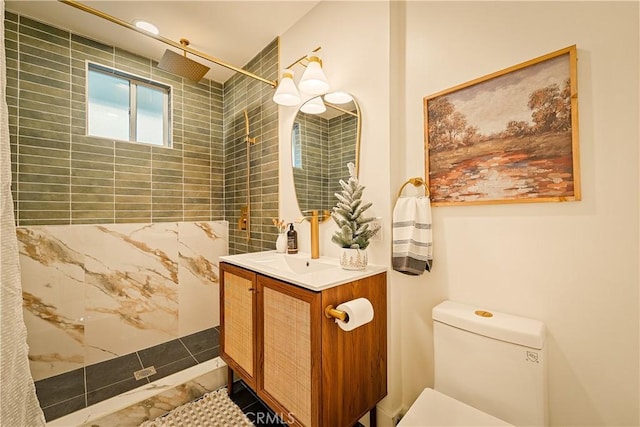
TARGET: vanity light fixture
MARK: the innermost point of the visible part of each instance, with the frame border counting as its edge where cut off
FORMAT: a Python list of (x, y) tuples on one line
[(312, 82), (338, 97), (287, 93), (314, 106)]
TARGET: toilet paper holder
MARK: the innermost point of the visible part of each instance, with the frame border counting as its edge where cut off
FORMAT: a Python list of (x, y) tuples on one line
[(334, 313)]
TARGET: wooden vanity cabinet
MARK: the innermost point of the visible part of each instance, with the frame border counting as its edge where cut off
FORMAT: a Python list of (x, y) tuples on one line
[(307, 369)]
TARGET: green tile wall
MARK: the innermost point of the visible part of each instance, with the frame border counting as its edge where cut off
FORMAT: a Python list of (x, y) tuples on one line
[(62, 176), (240, 93)]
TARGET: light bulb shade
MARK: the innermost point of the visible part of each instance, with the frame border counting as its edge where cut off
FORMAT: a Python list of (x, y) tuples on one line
[(313, 80), (338, 97), (314, 106), (287, 93)]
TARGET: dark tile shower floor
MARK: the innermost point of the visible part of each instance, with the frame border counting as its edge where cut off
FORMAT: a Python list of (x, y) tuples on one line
[(69, 392)]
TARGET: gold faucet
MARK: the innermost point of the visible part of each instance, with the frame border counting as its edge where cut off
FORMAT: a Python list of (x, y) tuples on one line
[(315, 235), (314, 221)]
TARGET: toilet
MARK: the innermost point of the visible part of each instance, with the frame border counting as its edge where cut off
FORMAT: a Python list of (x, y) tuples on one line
[(489, 370)]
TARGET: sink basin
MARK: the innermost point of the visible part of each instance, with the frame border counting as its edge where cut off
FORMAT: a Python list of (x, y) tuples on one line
[(300, 269), (292, 263)]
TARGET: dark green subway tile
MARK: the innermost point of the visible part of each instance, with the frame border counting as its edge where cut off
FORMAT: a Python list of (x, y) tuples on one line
[(84, 44), (132, 187), (43, 213), (44, 149), (43, 111), (92, 189), (80, 206), (46, 187), (132, 177), (43, 179), (23, 222), (10, 18), (45, 197), (103, 149), (131, 168), (93, 165), (45, 81), (102, 198), (102, 185), (123, 199), (46, 31), (130, 190), (168, 215), (133, 216), (42, 93), (43, 169), (81, 158), (99, 217), (45, 58)]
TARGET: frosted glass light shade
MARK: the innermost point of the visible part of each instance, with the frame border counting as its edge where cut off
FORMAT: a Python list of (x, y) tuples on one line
[(287, 93), (314, 106), (338, 97), (313, 80)]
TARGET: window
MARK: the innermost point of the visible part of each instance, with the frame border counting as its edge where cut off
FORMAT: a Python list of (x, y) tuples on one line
[(296, 146), (128, 108)]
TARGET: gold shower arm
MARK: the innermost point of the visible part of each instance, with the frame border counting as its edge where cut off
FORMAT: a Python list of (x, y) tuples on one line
[(164, 40)]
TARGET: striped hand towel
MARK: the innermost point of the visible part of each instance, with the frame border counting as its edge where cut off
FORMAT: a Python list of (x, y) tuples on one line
[(412, 237)]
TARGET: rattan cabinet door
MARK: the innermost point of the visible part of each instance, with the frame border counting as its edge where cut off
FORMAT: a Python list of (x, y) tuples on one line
[(290, 337), (238, 321)]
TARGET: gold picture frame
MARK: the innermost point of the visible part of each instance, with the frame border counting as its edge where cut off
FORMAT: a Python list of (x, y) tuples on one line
[(508, 137)]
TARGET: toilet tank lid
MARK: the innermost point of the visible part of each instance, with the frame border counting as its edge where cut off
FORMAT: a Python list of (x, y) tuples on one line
[(501, 326)]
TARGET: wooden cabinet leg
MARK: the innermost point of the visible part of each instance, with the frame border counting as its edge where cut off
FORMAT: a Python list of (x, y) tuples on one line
[(373, 420), (229, 380)]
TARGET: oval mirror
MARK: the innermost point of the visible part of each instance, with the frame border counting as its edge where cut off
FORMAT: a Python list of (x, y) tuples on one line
[(325, 137)]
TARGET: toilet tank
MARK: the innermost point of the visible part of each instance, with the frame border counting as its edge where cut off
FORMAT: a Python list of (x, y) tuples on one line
[(492, 361)]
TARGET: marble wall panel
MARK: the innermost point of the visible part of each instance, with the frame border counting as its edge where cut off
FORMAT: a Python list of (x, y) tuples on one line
[(199, 246), (95, 292), (52, 266), (132, 288)]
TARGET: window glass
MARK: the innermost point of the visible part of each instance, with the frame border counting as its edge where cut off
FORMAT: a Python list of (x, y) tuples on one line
[(150, 124), (127, 108), (108, 106)]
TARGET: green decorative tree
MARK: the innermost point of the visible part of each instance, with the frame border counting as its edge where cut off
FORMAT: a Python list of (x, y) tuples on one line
[(354, 228)]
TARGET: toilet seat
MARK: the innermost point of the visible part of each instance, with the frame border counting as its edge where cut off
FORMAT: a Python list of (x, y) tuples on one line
[(433, 408)]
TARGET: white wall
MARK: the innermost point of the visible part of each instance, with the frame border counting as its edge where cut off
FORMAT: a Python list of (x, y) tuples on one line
[(572, 265)]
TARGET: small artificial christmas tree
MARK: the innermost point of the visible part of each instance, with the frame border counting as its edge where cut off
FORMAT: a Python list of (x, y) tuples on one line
[(354, 228)]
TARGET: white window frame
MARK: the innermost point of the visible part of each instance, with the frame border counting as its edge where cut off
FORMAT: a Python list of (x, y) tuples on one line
[(134, 82)]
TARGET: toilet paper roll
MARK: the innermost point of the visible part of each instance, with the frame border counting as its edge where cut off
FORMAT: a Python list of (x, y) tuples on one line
[(360, 312)]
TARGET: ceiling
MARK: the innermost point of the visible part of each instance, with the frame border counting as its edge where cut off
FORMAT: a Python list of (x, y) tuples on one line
[(232, 31)]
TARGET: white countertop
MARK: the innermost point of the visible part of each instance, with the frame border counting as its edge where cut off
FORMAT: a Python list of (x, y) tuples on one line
[(300, 269)]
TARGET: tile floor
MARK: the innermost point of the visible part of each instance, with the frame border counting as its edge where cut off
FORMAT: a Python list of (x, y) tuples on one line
[(65, 393)]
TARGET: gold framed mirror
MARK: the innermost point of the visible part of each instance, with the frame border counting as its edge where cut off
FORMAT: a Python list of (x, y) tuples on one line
[(325, 136)]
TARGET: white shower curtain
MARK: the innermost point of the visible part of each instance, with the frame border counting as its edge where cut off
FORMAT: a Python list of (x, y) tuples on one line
[(18, 402)]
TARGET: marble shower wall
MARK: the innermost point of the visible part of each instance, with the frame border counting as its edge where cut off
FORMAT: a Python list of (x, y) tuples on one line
[(96, 292)]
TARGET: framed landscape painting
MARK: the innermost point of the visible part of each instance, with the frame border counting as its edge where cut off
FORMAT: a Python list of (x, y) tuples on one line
[(508, 137)]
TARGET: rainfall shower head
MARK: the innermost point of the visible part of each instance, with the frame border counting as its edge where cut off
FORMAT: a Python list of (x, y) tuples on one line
[(181, 65)]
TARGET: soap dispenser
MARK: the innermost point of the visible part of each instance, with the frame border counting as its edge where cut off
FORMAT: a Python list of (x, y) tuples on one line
[(292, 240)]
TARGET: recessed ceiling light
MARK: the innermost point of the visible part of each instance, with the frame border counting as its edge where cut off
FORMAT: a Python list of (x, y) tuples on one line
[(147, 26)]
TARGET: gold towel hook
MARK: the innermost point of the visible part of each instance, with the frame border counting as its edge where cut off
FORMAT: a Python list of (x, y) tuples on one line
[(416, 182)]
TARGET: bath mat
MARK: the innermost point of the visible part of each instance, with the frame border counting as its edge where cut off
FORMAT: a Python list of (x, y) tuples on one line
[(213, 409)]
